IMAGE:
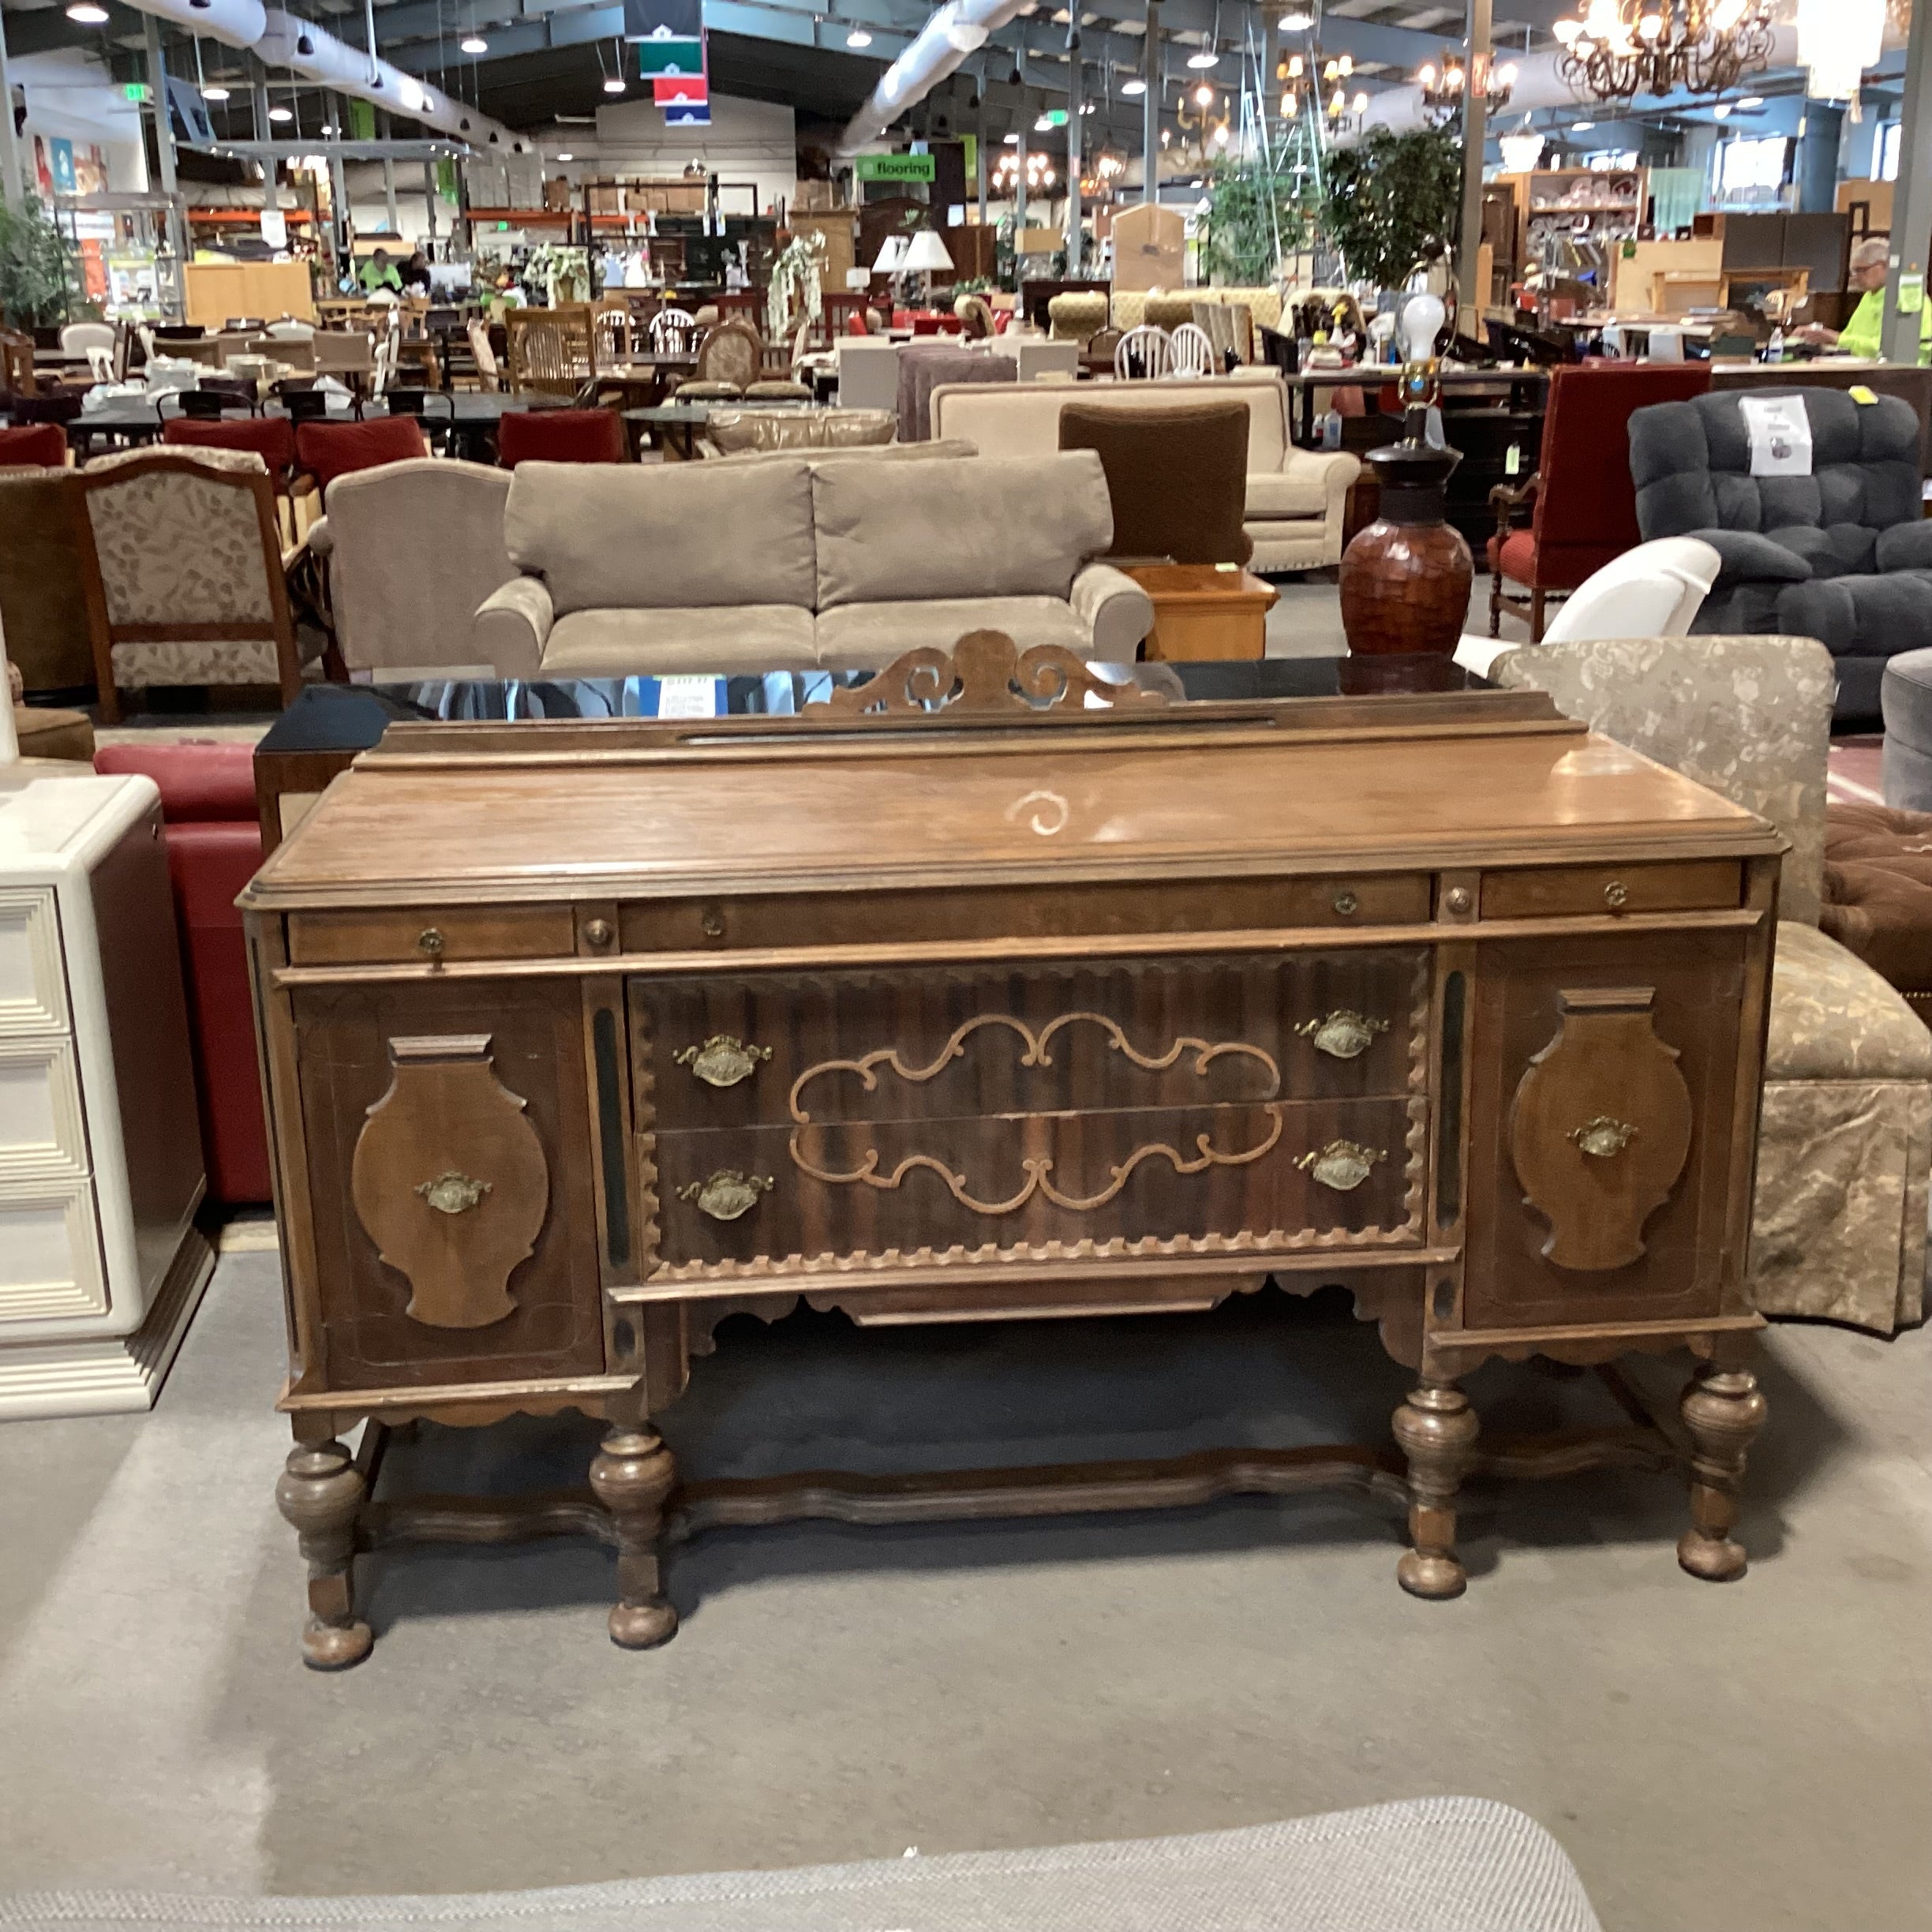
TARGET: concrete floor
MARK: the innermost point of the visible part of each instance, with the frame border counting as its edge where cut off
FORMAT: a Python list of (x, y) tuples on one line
[(1713, 1757)]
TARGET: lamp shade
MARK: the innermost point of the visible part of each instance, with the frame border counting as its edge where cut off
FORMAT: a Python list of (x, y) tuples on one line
[(892, 257), (927, 251)]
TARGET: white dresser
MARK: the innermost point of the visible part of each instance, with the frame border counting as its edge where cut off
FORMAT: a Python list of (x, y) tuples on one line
[(101, 1170)]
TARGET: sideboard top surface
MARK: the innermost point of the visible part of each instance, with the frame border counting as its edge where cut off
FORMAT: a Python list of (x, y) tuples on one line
[(867, 809)]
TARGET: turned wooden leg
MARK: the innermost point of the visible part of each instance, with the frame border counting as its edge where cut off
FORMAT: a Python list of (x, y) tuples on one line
[(321, 1491), (1536, 616), (632, 1473), (1724, 1410), (1496, 602), (1437, 1428)]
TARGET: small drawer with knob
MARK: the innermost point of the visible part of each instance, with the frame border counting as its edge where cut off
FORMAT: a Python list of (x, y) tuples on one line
[(430, 936), (1609, 891)]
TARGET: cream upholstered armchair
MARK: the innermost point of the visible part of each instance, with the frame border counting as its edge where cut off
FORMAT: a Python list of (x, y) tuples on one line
[(1845, 1145), (183, 576), (411, 548)]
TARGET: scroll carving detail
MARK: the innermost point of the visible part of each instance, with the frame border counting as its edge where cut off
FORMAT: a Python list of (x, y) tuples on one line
[(1601, 1128), (458, 1235), (985, 671)]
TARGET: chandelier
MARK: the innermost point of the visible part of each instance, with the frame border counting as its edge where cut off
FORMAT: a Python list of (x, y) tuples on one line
[(1618, 49), (1443, 83), (1328, 102)]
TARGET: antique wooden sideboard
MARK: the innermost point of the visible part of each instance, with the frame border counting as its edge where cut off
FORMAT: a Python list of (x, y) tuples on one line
[(578, 1038)]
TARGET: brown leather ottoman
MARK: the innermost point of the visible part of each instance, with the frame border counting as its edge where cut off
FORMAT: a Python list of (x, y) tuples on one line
[(45, 733), (1878, 894)]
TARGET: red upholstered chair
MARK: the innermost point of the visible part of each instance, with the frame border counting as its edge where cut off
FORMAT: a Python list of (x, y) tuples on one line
[(1586, 510), (591, 435), (213, 848), (272, 438), (40, 445), (329, 450)]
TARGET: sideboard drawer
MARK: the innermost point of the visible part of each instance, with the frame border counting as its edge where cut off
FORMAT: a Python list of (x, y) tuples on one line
[(430, 935), (1566, 892), (1241, 1178), (771, 1049)]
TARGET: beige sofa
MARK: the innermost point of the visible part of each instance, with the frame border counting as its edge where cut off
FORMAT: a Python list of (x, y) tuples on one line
[(1296, 498), (777, 563)]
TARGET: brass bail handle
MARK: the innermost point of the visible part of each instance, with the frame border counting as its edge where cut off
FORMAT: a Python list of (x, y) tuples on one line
[(453, 1193)]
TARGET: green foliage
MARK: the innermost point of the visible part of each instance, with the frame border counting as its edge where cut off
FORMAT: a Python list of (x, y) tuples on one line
[(37, 283), (1387, 195), (1256, 215)]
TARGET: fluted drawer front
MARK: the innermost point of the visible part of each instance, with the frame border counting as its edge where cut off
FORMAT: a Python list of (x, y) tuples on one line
[(1240, 1178), (772, 1049)]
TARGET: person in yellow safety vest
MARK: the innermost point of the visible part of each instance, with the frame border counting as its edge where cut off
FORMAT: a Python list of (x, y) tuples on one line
[(1860, 336), (379, 272)]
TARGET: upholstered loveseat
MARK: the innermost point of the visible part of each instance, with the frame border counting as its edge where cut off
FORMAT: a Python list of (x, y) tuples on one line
[(1296, 498), (1843, 554), (778, 563)]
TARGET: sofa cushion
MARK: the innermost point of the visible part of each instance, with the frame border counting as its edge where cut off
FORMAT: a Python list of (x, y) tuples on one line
[(199, 782), (1515, 556), (1833, 1018), (867, 636), (676, 536), (978, 528), (1878, 890), (660, 643), (1291, 492)]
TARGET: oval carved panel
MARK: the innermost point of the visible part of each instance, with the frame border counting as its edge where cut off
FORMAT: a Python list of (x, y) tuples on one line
[(449, 1181), (1600, 1129)]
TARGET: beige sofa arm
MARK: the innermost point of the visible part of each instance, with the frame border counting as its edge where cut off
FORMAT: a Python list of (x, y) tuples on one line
[(513, 626), (1335, 469), (1114, 608)]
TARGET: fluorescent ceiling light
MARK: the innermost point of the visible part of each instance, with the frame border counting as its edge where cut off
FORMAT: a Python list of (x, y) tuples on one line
[(1134, 85), (858, 38), (473, 43), (412, 95), (1581, 127), (1721, 112), (614, 84), (280, 113), (1206, 57), (566, 156), (86, 14), (1750, 101), (1012, 141), (213, 92), (1297, 22)]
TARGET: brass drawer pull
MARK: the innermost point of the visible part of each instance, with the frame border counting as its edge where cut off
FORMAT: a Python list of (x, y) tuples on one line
[(430, 940), (1345, 904), (1616, 895), (1603, 1137), (722, 1061), (727, 1194), (453, 1193), (1342, 1164), (1343, 1034)]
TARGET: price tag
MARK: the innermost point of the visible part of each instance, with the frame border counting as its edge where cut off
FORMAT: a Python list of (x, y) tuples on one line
[(1862, 396), (1512, 460), (689, 697)]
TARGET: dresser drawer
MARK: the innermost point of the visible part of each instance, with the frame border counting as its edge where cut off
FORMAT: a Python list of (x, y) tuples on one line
[(42, 1130), (33, 979), (433, 934), (1559, 892), (1240, 1178), (772, 1049), (50, 1255)]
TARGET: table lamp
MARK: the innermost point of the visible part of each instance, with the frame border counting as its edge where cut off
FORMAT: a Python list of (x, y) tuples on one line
[(927, 253)]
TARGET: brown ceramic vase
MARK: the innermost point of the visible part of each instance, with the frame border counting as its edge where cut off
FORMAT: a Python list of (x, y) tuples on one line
[(1406, 578)]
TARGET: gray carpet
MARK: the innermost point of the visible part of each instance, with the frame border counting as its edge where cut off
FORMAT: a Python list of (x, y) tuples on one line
[(1712, 1759)]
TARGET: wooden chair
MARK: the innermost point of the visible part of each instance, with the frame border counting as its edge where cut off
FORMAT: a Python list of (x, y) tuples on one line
[(347, 354), (742, 305), (1143, 353), (730, 359), (550, 349), (181, 566), (16, 363), (838, 309), (610, 333), (488, 372), (673, 332), (1191, 352)]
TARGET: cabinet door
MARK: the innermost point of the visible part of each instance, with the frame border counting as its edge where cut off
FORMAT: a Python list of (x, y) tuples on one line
[(449, 1160), (1606, 1162)]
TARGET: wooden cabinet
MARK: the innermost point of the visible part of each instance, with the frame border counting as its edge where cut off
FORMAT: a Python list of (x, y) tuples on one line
[(1002, 1011)]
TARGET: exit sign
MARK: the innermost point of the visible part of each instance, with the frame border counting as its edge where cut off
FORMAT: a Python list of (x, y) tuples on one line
[(896, 167), (137, 91)]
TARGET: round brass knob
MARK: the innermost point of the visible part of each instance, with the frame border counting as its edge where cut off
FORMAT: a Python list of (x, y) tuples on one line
[(597, 932), (430, 941), (1458, 900), (711, 922), (1615, 894), (1344, 903)]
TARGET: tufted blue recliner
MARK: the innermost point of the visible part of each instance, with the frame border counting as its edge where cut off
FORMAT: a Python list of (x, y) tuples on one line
[(1843, 555)]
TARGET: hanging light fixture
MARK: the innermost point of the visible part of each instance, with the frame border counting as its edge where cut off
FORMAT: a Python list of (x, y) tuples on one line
[(473, 43), (1837, 40), (858, 38), (1443, 84), (1616, 49), (1522, 149), (86, 13)]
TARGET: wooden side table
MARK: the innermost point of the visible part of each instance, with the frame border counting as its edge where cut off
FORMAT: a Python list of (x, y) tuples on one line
[(1205, 613)]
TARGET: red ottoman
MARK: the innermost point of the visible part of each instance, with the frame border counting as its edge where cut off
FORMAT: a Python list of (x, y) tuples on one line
[(213, 848)]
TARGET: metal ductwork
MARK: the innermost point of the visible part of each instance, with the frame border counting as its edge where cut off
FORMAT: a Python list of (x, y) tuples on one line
[(315, 55), (959, 29), (234, 23)]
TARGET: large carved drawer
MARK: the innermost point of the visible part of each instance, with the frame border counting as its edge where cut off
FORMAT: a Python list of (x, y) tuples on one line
[(1240, 1178), (783, 1048)]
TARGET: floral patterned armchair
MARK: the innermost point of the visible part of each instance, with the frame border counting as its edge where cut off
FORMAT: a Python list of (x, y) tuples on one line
[(184, 579), (1845, 1142)]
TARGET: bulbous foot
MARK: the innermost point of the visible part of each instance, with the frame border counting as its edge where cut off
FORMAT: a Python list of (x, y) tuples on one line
[(642, 1626)]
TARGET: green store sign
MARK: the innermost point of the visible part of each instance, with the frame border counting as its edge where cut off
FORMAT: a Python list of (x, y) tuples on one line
[(896, 167)]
